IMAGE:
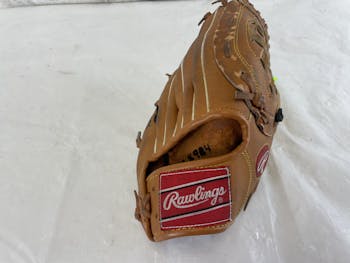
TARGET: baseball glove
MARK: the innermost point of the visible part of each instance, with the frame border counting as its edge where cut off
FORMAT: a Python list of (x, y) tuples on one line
[(208, 142)]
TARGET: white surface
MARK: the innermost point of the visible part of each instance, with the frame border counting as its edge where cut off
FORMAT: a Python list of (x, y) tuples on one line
[(19, 3), (78, 82)]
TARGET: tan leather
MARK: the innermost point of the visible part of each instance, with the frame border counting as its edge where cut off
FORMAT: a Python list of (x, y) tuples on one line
[(222, 96)]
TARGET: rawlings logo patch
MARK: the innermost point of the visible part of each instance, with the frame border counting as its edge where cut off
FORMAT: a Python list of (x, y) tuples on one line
[(262, 159), (198, 197), (195, 198)]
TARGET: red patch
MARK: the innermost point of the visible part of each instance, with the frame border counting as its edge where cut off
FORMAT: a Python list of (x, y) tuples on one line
[(262, 159), (195, 198)]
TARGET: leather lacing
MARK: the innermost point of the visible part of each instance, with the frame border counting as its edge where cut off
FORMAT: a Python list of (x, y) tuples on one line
[(138, 140), (143, 206), (223, 3), (255, 102)]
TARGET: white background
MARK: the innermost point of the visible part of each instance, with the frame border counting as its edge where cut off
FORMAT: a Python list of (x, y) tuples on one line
[(78, 81)]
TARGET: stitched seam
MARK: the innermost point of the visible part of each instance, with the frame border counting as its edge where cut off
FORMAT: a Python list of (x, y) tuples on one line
[(218, 64), (247, 35), (258, 87), (196, 225), (248, 161), (221, 226), (249, 67), (227, 108)]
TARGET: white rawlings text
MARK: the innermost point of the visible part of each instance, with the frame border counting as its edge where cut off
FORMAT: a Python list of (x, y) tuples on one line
[(199, 196)]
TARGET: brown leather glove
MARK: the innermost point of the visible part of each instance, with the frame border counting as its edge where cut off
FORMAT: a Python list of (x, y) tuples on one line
[(207, 144)]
